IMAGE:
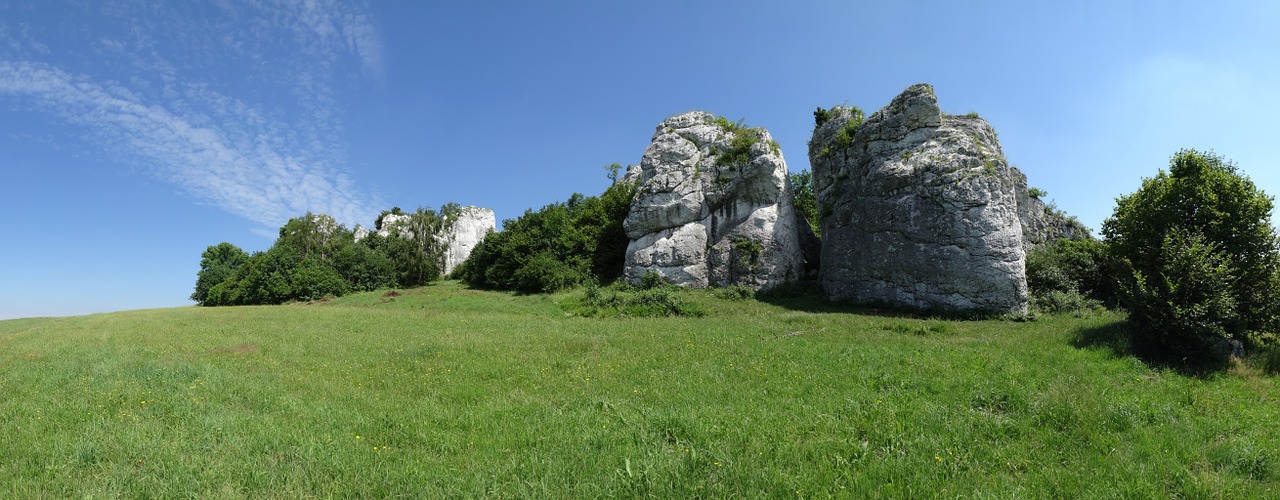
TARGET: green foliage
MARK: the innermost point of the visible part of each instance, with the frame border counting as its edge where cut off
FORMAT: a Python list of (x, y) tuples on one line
[(556, 247), (736, 292), (844, 138), (364, 268), (820, 116), (1058, 301), (739, 152), (311, 279), (972, 114), (622, 299), (1199, 255), (1037, 193), (217, 263), (1068, 266), (315, 257), (748, 250), (1185, 304), (804, 200)]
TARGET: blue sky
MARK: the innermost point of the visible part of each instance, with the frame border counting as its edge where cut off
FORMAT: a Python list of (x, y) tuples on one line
[(135, 135)]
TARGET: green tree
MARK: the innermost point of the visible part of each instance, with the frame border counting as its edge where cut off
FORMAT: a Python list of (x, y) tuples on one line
[(217, 263), (558, 246), (1199, 258), (1071, 267), (804, 199)]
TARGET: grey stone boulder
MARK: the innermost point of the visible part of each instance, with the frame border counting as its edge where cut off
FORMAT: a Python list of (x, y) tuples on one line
[(918, 209), (713, 207)]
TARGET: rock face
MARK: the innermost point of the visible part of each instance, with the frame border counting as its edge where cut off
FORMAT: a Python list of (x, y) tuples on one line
[(918, 209), (466, 231), (713, 207), (395, 224), (1041, 223)]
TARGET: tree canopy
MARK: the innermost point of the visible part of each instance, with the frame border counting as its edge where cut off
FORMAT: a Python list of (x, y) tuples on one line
[(1198, 253)]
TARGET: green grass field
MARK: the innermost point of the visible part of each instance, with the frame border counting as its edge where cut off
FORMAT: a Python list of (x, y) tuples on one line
[(449, 392)]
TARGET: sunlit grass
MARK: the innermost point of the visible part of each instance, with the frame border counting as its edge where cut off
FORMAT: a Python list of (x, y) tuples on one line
[(445, 391)]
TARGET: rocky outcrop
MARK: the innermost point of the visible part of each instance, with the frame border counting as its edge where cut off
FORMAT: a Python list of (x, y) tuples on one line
[(713, 207), (918, 209), (397, 224), (466, 229), (1043, 223)]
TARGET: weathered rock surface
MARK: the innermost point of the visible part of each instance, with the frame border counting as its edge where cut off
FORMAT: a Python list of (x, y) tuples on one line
[(918, 208), (713, 207), (1041, 223), (395, 224), (470, 226)]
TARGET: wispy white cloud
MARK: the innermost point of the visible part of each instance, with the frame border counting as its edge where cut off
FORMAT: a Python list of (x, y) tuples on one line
[(238, 103)]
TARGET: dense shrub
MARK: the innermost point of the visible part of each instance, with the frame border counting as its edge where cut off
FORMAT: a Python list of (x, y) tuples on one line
[(315, 257), (804, 200), (217, 263), (556, 247), (364, 268), (1070, 267), (1198, 256), (652, 298)]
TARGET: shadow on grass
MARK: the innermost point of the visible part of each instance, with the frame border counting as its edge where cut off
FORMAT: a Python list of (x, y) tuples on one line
[(808, 297), (1119, 339)]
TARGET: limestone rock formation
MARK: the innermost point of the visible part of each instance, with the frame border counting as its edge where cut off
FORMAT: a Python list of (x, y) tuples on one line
[(713, 207), (464, 233), (395, 224), (918, 209), (1042, 223)]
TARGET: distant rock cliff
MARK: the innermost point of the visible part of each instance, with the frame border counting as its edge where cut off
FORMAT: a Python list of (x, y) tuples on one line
[(918, 208), (464, 232), (1042, 223), (713, 207)]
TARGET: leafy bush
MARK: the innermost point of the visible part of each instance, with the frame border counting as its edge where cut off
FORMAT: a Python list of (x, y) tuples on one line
[(844, 138), (1198, 256), (1078, 267), (622, 299), (217, 263), (364, 268), (804, 200), (736, 292), (315, 257), (312, 279), (557, 247), (820, 116), (1058, 301)]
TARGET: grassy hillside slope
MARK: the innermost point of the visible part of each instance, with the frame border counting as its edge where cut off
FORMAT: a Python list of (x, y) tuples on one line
[(445, 391)]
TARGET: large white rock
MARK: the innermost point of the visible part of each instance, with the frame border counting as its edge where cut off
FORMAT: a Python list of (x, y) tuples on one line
[(918, 209), (700, 219), (464, 232), (397, 225)]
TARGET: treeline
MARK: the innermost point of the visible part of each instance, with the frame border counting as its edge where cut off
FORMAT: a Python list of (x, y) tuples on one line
[(316, 257), (559, 246)]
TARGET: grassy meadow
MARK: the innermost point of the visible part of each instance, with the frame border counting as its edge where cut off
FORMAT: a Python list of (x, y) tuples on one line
[(444, 391)]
